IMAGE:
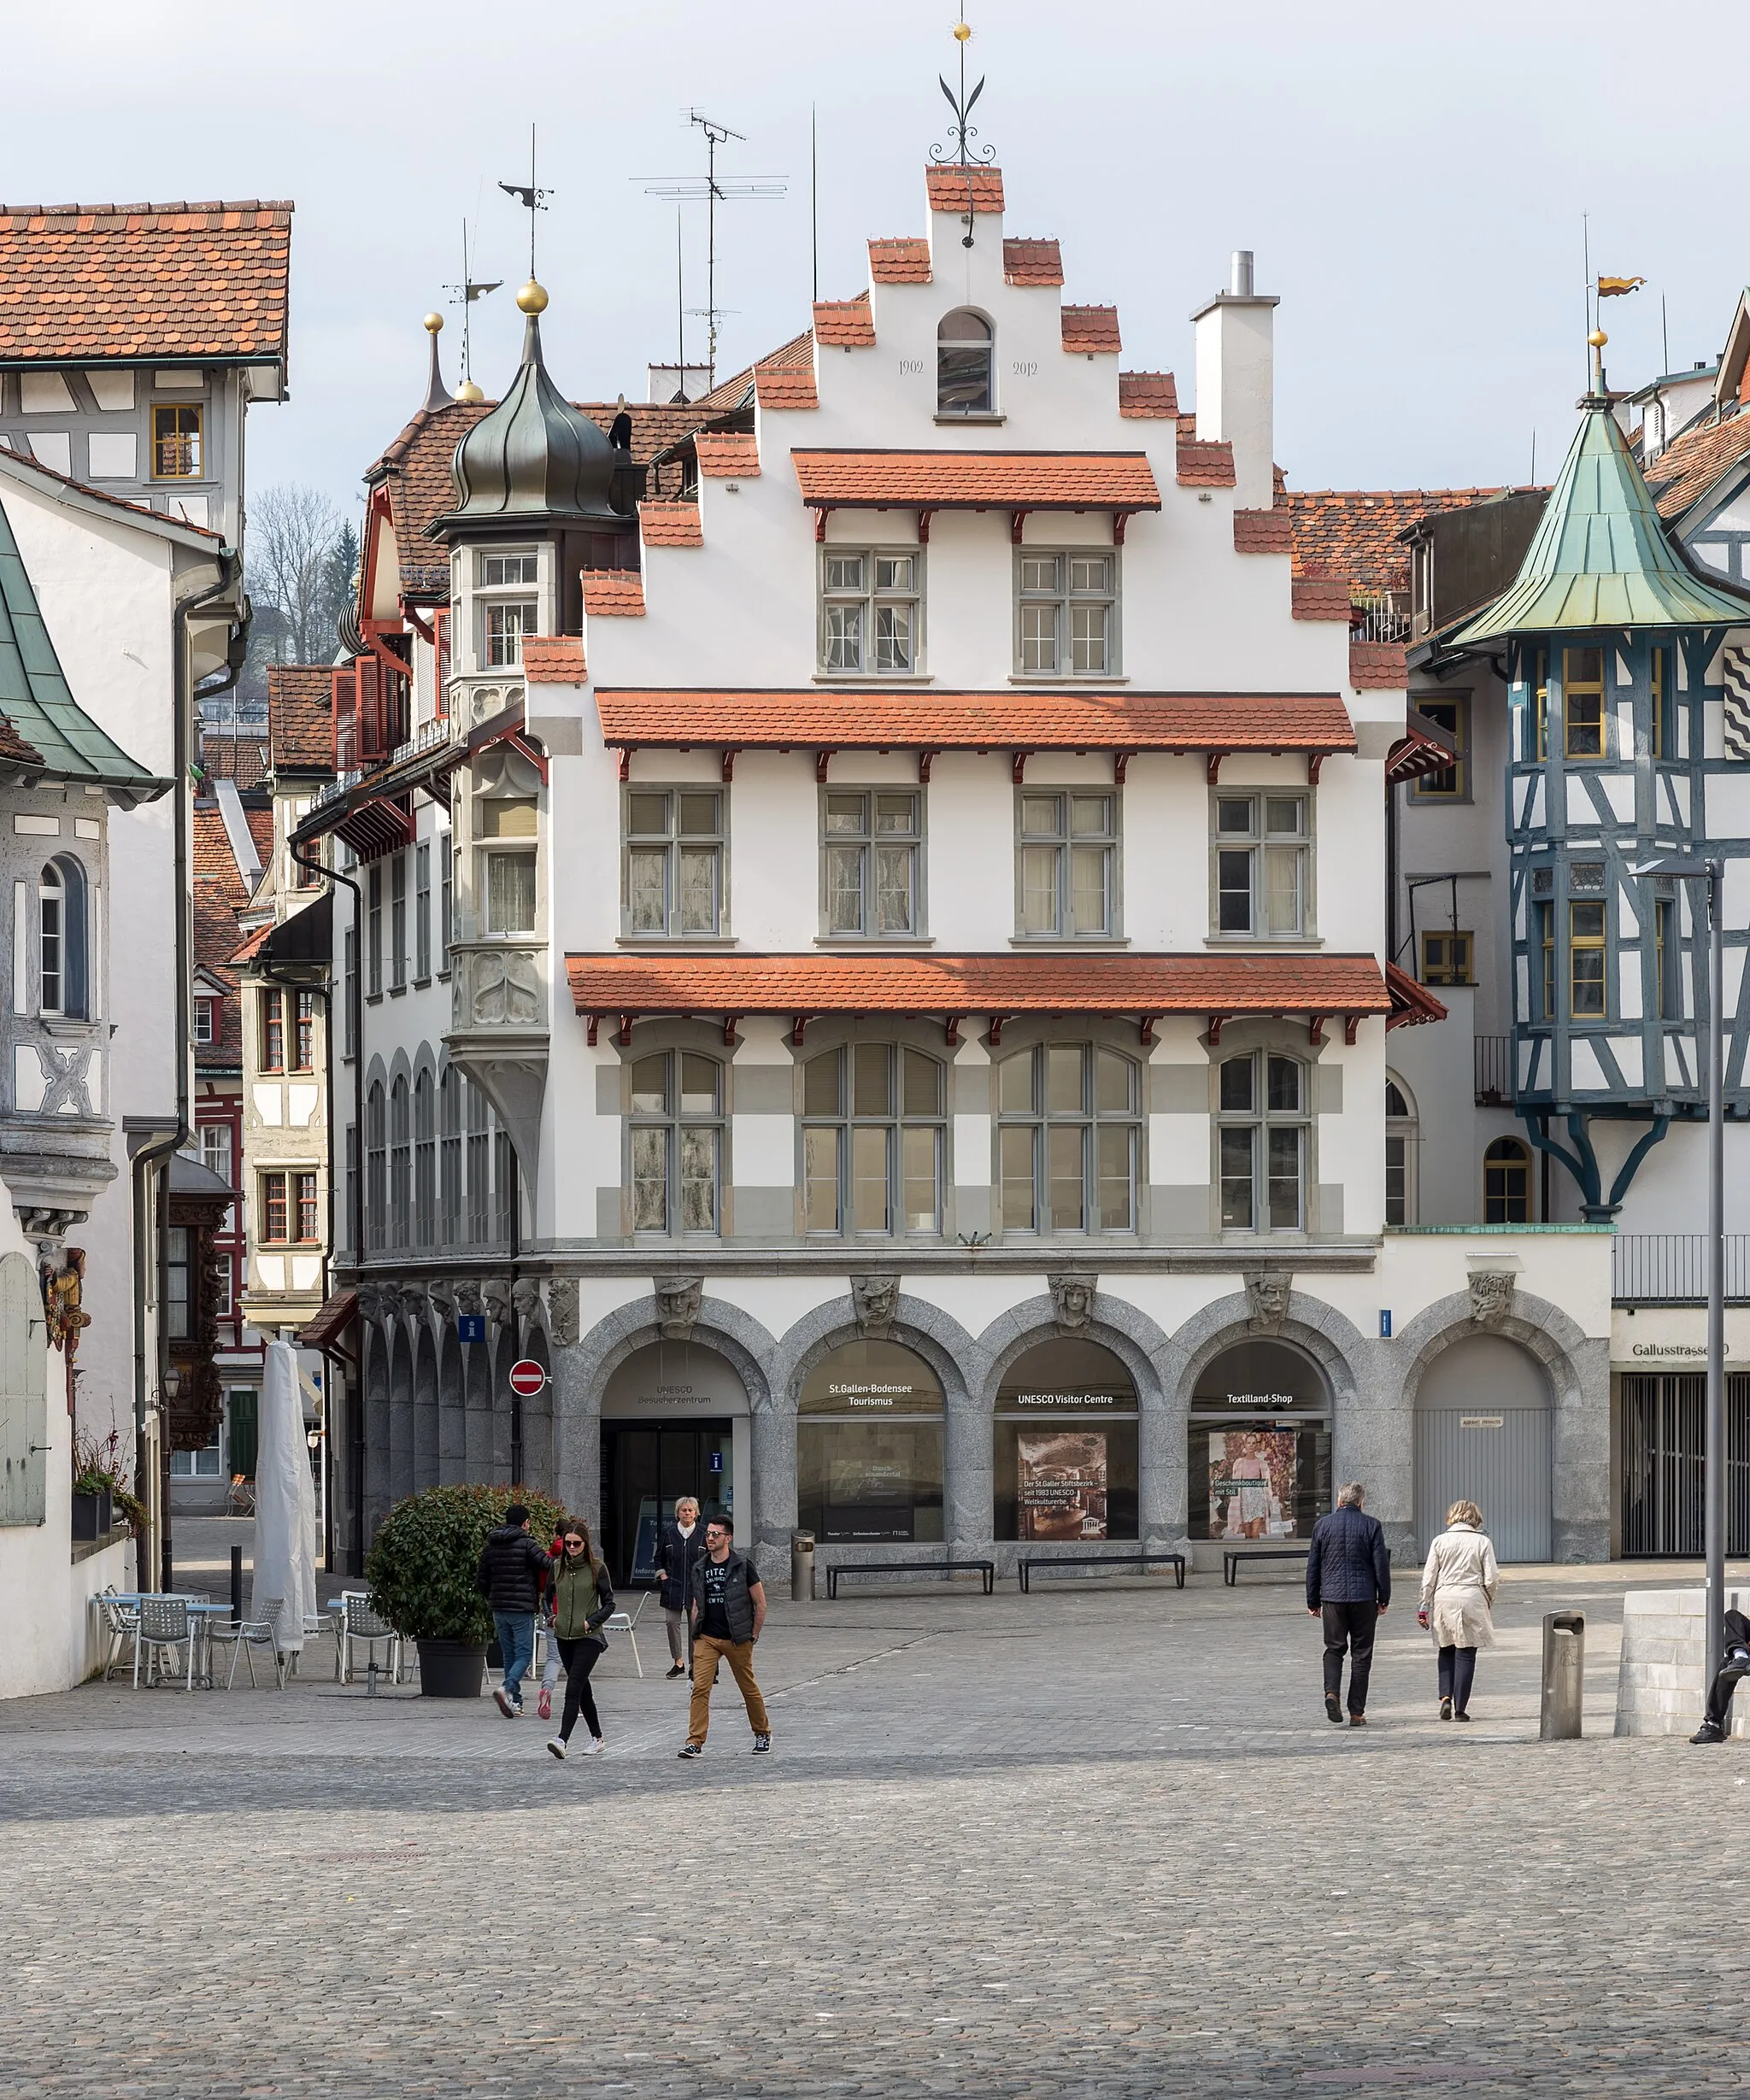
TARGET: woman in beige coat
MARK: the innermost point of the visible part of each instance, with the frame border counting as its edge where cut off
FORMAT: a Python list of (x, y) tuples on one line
[(1458, 1592)]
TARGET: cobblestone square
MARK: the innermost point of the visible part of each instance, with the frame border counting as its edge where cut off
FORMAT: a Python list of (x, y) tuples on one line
[(1097, 1841)]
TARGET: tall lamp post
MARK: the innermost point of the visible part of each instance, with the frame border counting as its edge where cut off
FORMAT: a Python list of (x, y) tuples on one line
[(1688, 868)]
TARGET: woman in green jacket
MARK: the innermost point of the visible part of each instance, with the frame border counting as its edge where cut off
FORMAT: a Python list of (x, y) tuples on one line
[(583, 1600)]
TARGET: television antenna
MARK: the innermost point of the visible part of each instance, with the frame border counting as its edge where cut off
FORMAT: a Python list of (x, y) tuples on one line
[(691, 189)]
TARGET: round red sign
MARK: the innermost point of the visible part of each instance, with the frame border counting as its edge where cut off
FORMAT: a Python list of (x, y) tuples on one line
[(527, 1377)]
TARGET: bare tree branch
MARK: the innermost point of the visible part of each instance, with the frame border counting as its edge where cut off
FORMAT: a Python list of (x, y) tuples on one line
[(293, 535)]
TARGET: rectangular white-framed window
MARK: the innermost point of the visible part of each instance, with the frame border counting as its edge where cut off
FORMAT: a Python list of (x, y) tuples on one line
[(203, 1021), (503, 622), (872, 863), (672, 869), (871, 610), (397, 923), (1067, 865), (422, 912), (215, 1150), (207, 1463), (1066, 612), (1262, 865), (508, 566), (446, 901), (510, 892)]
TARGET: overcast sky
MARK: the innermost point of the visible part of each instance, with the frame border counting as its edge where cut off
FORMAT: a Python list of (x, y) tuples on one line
[(1413, 181)]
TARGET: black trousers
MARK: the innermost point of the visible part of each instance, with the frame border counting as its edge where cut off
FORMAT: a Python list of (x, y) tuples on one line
[(1458, 1672), (1719, 1695), (579, 1658), (1350, 1628)]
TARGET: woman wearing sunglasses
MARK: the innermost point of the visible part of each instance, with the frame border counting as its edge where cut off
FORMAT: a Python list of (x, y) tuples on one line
[(583, 1600)]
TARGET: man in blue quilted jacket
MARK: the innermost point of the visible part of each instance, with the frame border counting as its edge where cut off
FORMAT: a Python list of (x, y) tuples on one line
[(1349, 1584)]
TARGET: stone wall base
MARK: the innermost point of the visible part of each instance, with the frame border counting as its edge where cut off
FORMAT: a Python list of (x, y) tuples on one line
[(1662, 1680)]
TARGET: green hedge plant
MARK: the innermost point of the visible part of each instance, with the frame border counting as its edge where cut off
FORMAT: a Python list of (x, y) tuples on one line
[(426, 1556)]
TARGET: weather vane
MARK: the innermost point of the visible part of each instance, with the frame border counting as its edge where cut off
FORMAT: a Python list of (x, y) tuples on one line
[(959, 152), (464, 295), (532, 199)]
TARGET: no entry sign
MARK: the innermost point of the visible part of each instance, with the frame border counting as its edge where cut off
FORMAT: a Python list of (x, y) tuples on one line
[(527, 1377)]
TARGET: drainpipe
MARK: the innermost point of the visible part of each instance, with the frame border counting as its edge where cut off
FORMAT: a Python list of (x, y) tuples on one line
[(150, 1155), (337, 1167)]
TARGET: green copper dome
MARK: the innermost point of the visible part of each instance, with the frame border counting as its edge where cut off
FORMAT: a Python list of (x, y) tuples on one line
[(1601, 556)]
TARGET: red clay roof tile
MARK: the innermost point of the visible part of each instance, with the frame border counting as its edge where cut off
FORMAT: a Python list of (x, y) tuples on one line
[(1032, 262), (1692, 462), (978, 480), (1203, 462), (558, 660), (867, 720), (1143, 394), (950, 183), (1320, 598), (900, 262), (167, 281), (777, 387), (727, 454), (671, 525), (1262, 532), (1090, 328), (1378, 665), (1226, 984), (1353, 533), (610, 592), (300, 715), (844, 324)]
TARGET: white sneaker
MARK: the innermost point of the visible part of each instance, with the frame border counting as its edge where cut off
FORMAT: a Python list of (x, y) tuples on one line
[(557, 1748), (594, 1746)]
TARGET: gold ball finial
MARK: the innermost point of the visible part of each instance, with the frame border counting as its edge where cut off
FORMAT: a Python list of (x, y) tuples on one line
[(962, 32), (433, 322), (1598, 338), (532, 298), (469, 392)]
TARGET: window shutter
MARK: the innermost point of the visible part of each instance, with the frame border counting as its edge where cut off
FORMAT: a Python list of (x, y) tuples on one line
[(370, 677), (346, 719)]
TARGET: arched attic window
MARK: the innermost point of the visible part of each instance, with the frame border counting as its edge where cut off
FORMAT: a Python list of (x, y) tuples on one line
[(62, 926), (965, 364)]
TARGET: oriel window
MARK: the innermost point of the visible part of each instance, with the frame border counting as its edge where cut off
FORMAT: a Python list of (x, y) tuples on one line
[(1583, 703), (870, 856), (1587, 958)]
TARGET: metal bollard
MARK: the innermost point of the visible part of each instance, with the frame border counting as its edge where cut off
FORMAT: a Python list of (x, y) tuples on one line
[(236, 1583), (802, 1567), (1563, 1675)]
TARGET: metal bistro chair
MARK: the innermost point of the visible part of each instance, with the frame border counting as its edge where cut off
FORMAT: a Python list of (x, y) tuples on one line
[(122, 1624), (625, 1621), (246, 1635), (165, 1624), (357, 1621)]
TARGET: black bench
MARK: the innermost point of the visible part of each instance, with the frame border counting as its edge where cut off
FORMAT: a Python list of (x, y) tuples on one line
[(1175, 1561), (1230, 1559), (985, 1568)]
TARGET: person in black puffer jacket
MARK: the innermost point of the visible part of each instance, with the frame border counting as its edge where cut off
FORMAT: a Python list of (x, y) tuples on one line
[(1348, 1585), (513, 1570)]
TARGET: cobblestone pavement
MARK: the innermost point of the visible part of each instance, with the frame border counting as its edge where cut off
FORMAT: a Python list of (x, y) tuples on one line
[(1098, 1842)]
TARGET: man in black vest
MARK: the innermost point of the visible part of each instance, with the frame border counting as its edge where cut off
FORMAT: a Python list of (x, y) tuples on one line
[(727, 1603)]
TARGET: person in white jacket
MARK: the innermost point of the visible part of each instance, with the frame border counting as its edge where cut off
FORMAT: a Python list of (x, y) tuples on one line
[(1458, 1595)]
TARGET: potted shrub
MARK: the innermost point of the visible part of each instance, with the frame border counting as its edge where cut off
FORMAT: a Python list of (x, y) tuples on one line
[(423, 1570), (100, 1487)]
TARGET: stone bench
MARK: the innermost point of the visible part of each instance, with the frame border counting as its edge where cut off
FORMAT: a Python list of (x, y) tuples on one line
[(1662, 1677)]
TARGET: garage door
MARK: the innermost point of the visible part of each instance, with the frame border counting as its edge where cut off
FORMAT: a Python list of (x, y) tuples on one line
[(1482, 1434)]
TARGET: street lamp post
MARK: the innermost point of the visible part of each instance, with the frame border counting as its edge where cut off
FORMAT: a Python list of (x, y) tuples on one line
[(1712, 872)]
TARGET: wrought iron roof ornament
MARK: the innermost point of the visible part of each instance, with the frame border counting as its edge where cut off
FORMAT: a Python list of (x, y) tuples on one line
[(959, 152)]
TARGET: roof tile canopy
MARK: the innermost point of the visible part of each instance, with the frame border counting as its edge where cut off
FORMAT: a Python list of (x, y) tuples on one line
[(609, 591), (949, 186), (1147, 393), (1204, 462), (977, 480), (1262, 532), (167, 282), (1601, 556), (300, 717), (1320, 598), (1378, 666), (900, 262), (554, 660), (776, 386), (844, 324), (953, 985), (727, 455), (865, 720), (671, 525), (1090, 328), (1032, 262)]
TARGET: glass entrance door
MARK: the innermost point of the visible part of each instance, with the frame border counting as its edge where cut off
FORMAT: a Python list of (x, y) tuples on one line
[(646, 1466)]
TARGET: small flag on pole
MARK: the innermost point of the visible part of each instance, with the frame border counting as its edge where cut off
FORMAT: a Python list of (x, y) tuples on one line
[(1614, 287)]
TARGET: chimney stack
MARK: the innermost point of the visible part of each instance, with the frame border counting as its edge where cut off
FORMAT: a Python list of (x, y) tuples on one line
[(1236, 381)]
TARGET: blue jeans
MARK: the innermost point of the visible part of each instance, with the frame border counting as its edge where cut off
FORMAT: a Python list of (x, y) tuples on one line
[(516, 1643)]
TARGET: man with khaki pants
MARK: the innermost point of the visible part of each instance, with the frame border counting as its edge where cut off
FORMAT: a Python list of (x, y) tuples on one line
[(726, 1601)]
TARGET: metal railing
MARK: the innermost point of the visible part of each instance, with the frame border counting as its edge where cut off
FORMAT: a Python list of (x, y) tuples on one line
[(1493, 1056), (1670, 1267), (1379, 616)]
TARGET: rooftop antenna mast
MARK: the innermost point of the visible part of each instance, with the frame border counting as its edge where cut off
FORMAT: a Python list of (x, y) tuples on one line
[(713, 193), (960, 151), (464, 295), (530, 198)]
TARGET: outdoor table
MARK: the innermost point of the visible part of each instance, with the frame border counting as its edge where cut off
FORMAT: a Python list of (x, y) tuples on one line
[(200, 1610)]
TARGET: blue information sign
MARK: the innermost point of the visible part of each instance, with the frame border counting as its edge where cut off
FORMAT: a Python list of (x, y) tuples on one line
[(717, 1462), (471, 1327)]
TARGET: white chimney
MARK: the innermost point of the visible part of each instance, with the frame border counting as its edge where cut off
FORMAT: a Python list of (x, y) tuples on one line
[(1236, 381)]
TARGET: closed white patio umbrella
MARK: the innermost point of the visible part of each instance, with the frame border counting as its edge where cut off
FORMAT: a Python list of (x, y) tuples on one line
[(285, 1503)]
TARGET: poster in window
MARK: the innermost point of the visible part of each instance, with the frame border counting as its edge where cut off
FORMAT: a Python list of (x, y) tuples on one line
[(1252, 1484), (1062, 1483)]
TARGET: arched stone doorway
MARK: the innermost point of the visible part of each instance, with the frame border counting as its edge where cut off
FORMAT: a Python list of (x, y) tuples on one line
[(1259, 1457), (869, 1446), (1482, 1434), (675, 1421), (1065, 1445)]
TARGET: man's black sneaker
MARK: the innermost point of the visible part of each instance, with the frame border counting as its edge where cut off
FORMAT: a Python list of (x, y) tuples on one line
[(1333, 1708), (692, 1750), (1708, 1733), (677, 1670), (1737, 1663), (762, 1742)]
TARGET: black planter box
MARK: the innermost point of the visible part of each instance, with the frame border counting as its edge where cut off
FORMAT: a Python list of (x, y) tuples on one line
[(451, 1670), (93, 1516)]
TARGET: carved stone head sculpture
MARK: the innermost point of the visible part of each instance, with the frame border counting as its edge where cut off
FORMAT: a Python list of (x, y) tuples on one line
[(410, 1297), (525, 1300), (1072, 1302), (495, 1295), (678, 1306), (876, 1301), (1267, 1300), (442, 1294), (562, 1310), (468, 1298), (1491, 1296)]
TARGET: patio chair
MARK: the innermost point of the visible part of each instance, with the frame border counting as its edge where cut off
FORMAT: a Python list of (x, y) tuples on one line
[(165, 1624), (357, 1623), (240, 1497), (121, 1623), (624, 1623), (245, 1636)]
